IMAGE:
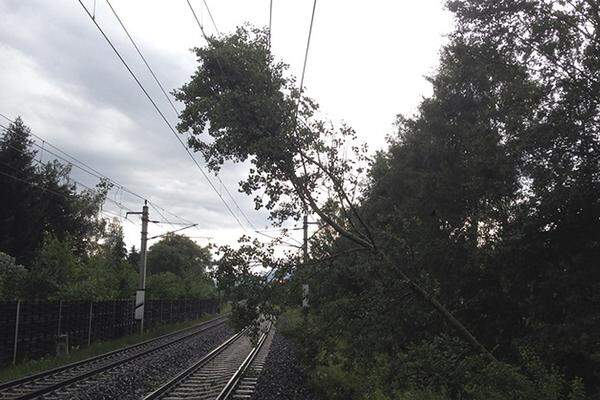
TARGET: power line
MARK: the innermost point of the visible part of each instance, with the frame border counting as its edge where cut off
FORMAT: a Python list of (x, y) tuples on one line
[(280, 239), (33, 184), (176, 230), (161, 87), (110, 213), (139, 52), (162, 215), (270, 20), (164, 92), (160, 113), (221, 69), (119, 204), (95, 174), (74, 161), (143, 58), (211, 17), (312, 18), (197, 20)]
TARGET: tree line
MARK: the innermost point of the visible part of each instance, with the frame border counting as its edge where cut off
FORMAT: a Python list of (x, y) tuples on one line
[(461, 261), (56, 245)]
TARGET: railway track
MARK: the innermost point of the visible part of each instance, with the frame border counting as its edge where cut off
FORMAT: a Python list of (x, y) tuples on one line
[(228, 372), (37, 385)]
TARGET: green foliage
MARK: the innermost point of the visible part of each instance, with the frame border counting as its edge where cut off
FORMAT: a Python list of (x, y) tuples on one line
[(177, 268), (11, 277), (57, 274), (486, 204), (54, 268), (165, 285), (177, 254), (437, 369), (38, 199)]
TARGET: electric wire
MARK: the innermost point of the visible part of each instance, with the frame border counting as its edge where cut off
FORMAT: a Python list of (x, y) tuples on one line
[(116, 202), (142, 57), (221, 69), (164, 92), (176, 230), (98, 175), (160, 85), (74, 161), (301, 91), (312, 18), (197, 20), (270, 20), (280, 239), (161, 114), (35, 185), (211, 17)]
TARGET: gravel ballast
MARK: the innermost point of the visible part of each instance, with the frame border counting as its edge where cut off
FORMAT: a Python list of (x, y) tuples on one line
[(282, 378), (133, 380)]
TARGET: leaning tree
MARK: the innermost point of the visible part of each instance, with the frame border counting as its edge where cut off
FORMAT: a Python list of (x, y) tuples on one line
[(241, 106)]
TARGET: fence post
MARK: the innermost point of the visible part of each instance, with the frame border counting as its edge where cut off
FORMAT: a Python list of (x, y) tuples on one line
[(171, 313), (90, 324), (16, 332), (59, 317), (114, 319)]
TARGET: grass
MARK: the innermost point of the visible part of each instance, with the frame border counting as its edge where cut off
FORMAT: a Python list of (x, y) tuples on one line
[(28, 367)]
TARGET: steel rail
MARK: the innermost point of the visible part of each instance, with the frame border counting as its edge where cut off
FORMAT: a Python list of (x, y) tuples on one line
[(197, 365), (186, 382), (235, 379), (6, 387)]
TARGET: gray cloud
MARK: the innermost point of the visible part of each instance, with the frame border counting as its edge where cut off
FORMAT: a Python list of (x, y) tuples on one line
[(78, 96), (60, 75)]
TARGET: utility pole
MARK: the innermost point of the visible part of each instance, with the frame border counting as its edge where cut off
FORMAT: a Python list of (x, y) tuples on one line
[(305, 287), (140, 295), (305, 242)]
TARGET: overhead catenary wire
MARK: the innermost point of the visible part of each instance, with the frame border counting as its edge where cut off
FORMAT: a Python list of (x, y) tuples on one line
[(137, 49), (158, 82), (211, 17), (77, 163), (270, 20), (200, 25), (280, 239), (36, 185), (301, 88), (33, 184), (164, 92), (95, 174), (197, 20), (116, 202), (176, 230), (161, 114), (312, 18)]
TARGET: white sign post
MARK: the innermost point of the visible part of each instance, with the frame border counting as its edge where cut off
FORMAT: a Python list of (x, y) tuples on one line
[(305, 296)]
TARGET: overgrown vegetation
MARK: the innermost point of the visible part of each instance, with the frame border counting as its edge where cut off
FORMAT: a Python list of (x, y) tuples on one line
[(458, 263), (55, 245)]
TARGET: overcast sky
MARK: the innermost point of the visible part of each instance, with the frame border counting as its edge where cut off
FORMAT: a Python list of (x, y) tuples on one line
[(367, 63)]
